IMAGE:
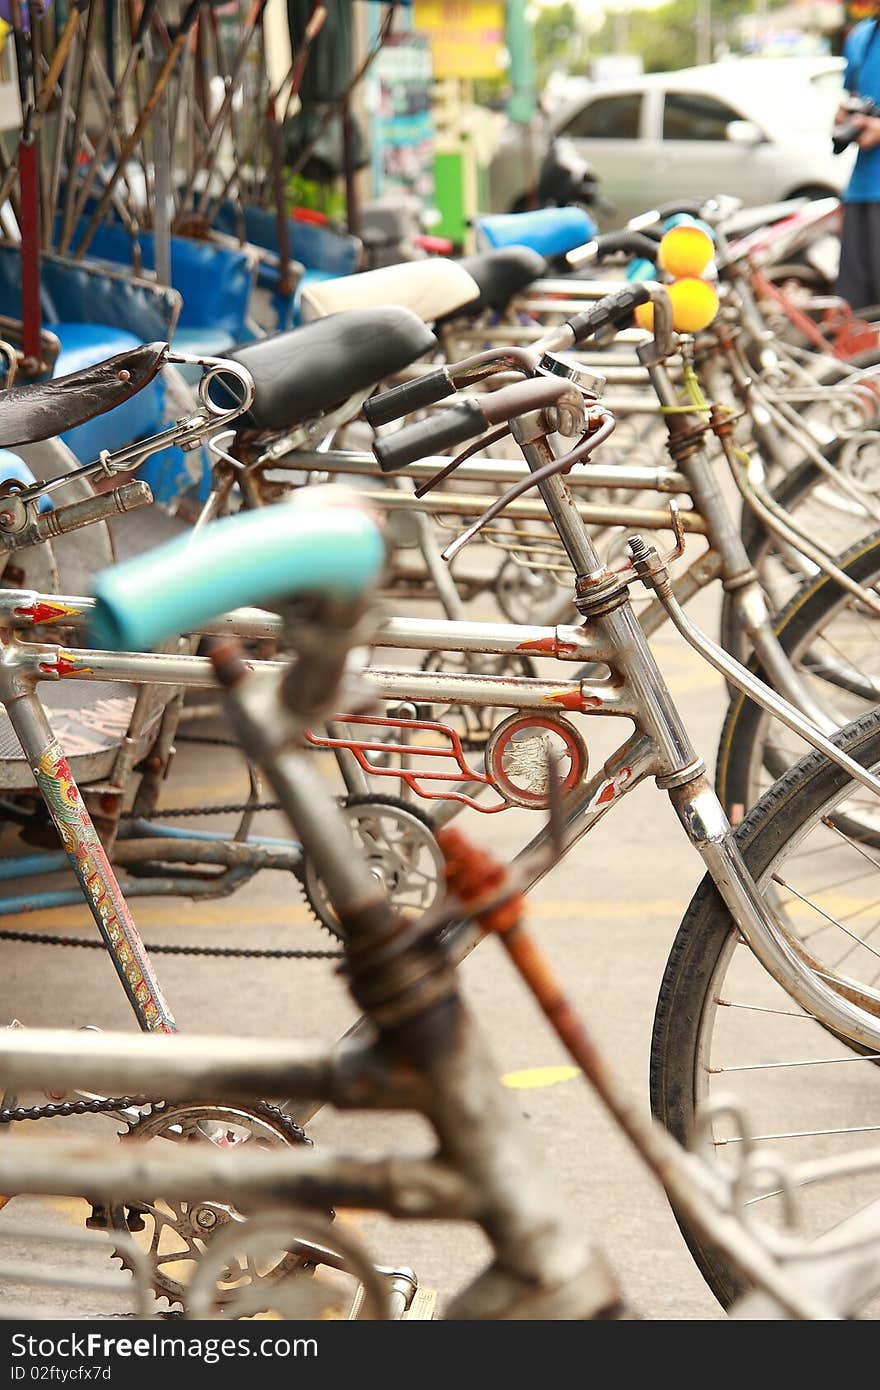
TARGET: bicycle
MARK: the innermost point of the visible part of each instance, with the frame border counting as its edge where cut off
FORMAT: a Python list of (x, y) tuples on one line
[(425, 1053)]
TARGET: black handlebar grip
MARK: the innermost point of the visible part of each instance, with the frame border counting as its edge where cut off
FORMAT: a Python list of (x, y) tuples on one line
[(613, 309), (462, 421), (629, 243), (408, 397)]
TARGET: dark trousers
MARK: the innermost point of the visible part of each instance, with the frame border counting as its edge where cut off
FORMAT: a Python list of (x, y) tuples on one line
[(859, 279)]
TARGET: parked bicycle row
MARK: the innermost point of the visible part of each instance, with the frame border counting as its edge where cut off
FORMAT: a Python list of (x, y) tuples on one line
[(624, 442)]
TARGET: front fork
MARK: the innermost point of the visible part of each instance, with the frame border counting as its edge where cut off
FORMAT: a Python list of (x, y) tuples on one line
[(88, 859), (851, 1013)]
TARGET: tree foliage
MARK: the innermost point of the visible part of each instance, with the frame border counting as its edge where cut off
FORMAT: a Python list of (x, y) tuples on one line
[(556, 35), (665, 38)]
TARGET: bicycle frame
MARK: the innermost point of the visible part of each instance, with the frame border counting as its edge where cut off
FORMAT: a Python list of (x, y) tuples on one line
[(635, 689), (427, 1057), (694, 476), (660, 746)]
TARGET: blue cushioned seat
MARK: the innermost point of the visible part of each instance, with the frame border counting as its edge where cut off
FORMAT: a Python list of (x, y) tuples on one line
[(549, 231), (214, 282), (323, 252), (97, 311)]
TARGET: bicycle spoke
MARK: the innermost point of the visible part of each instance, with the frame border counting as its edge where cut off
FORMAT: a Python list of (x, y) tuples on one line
[(833, 920)]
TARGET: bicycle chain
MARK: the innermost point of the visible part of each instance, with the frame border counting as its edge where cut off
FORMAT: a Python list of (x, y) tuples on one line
[(61, 1109), (207, 810), (108, 1105), (234, 810), (33, 938)]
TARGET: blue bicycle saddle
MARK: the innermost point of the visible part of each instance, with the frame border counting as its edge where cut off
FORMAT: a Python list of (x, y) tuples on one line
[(549, 231)]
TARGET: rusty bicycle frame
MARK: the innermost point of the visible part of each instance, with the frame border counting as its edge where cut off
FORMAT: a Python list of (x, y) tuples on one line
[(540, 704)]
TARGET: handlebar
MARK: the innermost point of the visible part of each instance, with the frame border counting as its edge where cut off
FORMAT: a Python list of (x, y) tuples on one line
[(627, 243), (466, 420), (408, 397), (683, 207), (708, 209), (462, 421), (614, 310), (469, 418), (252, 558)]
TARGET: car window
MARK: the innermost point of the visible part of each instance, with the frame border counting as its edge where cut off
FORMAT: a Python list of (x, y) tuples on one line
[(607, 118), (692, 116)]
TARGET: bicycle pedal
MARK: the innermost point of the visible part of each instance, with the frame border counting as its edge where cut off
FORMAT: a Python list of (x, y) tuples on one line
[(423, 1306), (406, 1299)]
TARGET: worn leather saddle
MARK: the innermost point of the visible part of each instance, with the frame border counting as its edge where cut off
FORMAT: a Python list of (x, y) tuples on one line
[(32, 413)]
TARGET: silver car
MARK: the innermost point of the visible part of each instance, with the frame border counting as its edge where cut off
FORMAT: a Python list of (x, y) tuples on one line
[(757, 128)]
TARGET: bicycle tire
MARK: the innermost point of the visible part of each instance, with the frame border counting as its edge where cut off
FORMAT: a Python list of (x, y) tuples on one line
[(688, 983), (805, 613)]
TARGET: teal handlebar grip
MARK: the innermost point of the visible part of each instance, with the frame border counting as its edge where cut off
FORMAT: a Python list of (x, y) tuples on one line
[(250, 558)]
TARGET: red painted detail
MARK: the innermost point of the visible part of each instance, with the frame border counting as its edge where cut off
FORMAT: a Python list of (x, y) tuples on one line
[(435, 245), (575, 750), (611, 789), (63, 666), (548, 646), (44, 612), (455, 766), (29, 184), (854, 337), (765, 289), (317, 219), (573, 699)]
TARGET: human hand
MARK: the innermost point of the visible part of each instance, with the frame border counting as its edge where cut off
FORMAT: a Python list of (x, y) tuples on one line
[(868, 137)]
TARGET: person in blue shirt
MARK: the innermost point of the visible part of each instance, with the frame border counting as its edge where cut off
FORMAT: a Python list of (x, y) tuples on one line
[(859, 278)]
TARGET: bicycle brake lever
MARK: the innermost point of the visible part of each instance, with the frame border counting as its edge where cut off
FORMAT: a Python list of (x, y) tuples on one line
[(582, 450), (484, 441), (677, 530)]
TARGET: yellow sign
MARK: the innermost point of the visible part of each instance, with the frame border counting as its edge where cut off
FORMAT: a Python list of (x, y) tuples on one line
[(467, 39)]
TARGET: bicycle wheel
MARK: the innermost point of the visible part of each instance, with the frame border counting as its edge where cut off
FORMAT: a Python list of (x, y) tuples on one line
[(834, 518), (722, 1025), (832, 641)]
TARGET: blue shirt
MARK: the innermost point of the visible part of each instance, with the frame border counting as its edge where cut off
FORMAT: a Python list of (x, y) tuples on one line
[(862, 77)]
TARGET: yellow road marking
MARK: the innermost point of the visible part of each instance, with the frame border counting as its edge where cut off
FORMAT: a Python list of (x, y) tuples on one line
[(154, 915), (533, 1078), (228, 913), (75, 1210)]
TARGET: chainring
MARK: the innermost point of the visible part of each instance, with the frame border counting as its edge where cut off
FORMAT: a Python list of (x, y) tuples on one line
[(401, 850), (178, 1233)]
